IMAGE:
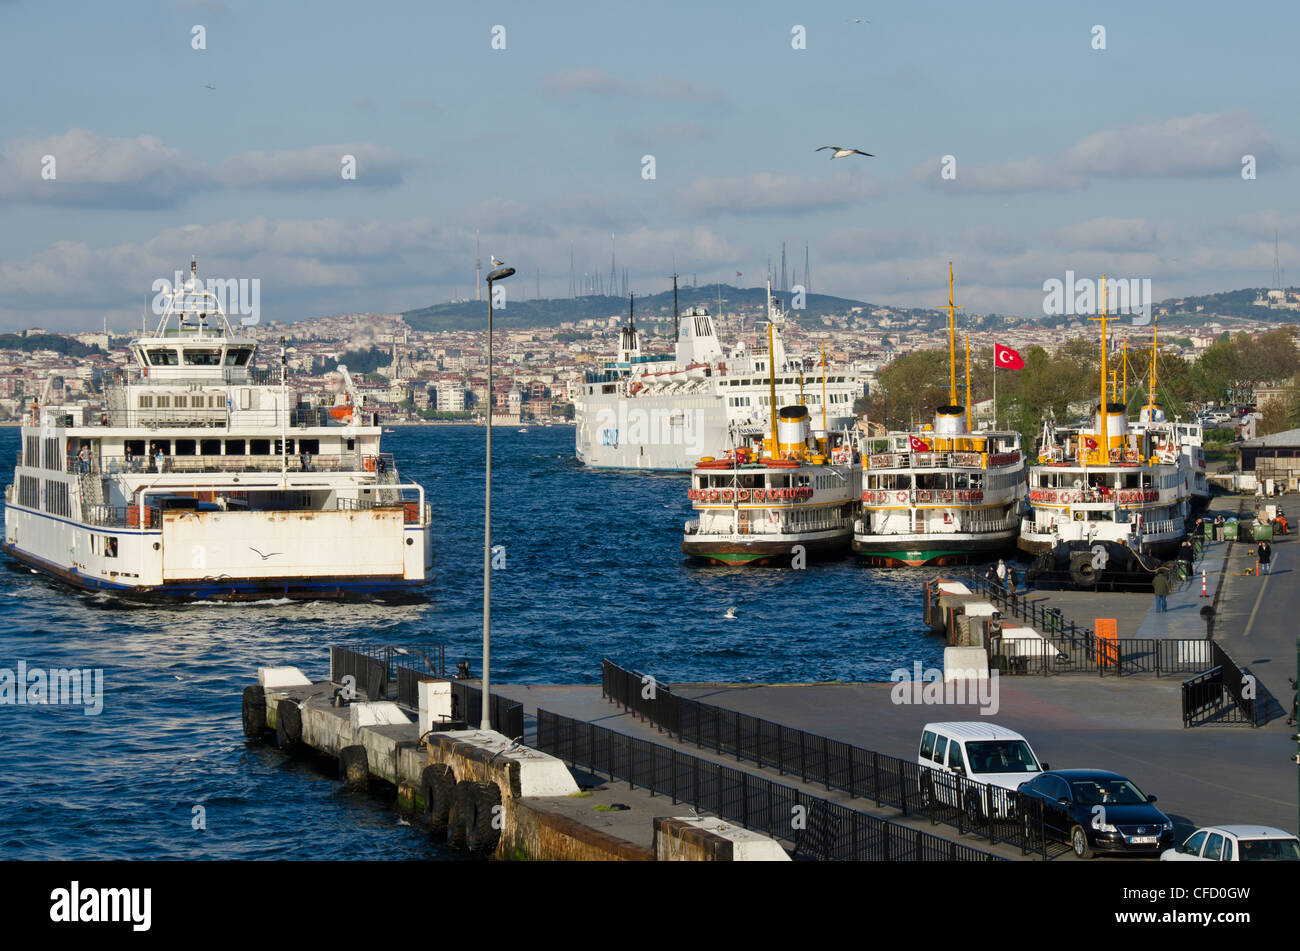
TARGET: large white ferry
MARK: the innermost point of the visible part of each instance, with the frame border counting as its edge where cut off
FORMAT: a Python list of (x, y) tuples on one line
[(200, 478), (942, 494), (662, 411), (1103, 497)]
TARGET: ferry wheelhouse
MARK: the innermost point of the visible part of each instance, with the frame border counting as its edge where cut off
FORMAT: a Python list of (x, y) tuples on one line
[(1103, 497), (201, 477)]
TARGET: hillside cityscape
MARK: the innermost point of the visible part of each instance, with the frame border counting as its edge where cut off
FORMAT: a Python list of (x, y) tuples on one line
[(430, 364)]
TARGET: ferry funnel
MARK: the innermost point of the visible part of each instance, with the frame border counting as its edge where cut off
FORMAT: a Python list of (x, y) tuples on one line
[(949, 420), (793, 428)]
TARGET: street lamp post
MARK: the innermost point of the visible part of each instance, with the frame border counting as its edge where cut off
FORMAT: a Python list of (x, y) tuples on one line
[(499, 274)]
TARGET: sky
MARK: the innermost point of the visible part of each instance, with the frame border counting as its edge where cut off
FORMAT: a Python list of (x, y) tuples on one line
[(1126, 160)]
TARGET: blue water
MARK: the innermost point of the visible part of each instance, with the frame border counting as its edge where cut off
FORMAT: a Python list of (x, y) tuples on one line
[(593, 569)]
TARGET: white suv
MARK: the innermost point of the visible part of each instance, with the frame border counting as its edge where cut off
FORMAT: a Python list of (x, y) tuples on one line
[(981, 752)]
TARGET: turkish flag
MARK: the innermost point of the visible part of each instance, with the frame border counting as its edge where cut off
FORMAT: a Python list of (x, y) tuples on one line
[(918, 445), (1006, 358), (1090, 442)]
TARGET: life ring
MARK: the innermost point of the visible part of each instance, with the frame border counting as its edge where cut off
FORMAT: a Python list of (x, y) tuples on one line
[(924, 496), (1115, 455), (743, 495), (726, 495), (1051, 496), (947, 496), (713, 495), (902, 496)]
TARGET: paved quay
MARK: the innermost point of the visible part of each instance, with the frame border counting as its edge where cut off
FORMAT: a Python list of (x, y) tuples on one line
[(1202, 775)]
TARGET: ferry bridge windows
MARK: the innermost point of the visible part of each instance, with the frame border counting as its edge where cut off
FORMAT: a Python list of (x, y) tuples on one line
[(163, 357), (309, 445), (234, 447), (238, 356), (352, 444), (53, 456), (57, 500), (29, 492), (144, 401), (202, 358)]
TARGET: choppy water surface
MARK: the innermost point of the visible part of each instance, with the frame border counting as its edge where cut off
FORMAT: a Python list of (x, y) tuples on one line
[(592, 568)]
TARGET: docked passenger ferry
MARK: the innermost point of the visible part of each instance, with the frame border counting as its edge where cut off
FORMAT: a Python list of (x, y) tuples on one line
[(1104, 497), (202, 478), (771, 498), (942, 494)]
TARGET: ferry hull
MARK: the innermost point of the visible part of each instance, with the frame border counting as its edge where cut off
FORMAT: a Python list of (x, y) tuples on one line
[(1074, 565), (764, 552), (232, 589), (915, 551)]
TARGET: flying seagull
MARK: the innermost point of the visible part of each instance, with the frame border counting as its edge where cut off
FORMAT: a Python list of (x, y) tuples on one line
[(731, 613), (859, 20), (264, 557), (841, 152), (209, 86)]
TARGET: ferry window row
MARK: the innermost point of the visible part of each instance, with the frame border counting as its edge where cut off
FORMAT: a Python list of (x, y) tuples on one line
[(181, 401), (220, 447), (198, 356), (1066, 479), (890, 481)]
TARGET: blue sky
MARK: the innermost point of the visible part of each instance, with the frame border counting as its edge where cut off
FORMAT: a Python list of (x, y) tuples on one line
[(1126, 159)]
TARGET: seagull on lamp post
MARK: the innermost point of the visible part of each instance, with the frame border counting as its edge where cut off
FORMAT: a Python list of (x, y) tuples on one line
[(840, 151), (496, 263)]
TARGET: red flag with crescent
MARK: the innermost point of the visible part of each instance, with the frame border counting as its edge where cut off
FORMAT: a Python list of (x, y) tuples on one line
[(1006, 358), (1089, 442), (919, 445)]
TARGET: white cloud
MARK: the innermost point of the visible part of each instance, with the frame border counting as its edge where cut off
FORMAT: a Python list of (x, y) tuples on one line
[(91, 170)]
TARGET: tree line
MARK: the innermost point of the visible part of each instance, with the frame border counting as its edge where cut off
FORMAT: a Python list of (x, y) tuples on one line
[(910, 388)]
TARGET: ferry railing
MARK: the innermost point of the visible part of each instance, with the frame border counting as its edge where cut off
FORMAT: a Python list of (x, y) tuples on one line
[(378, 668), (467, 706), (816, 759), (346, 462), (122, 516), (816, 828)]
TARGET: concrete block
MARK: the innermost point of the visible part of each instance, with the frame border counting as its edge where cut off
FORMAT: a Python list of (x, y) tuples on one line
[(375, 713), (964, 663), (523, 771), (435, 703), (953, 587), (709, 839), (270, 677), (980, 609)]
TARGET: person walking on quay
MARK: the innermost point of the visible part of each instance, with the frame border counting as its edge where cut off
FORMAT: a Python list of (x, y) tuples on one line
[(1264, 551), (1160, 585), (1219, 523), (1187, 554)]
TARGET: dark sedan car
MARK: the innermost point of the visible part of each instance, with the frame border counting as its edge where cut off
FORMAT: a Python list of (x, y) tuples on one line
[(1098, 811)]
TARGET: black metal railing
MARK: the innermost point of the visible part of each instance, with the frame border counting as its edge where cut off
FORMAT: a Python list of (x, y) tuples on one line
[(820, 760), (1223, 693), (1094, 655), (1046, 620), (467, 707), (817, 828), (377, 668)]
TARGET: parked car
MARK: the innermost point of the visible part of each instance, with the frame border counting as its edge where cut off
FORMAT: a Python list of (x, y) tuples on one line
[(1241, 843), (1095, 810), (956, 756)]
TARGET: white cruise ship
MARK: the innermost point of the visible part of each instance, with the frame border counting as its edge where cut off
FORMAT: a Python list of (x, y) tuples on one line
[(200, 478), (665, 411)]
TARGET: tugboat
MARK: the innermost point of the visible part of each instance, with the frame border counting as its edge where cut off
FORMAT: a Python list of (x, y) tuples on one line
[(202, 478), (942, 494), (795, 491), (1106, 503)]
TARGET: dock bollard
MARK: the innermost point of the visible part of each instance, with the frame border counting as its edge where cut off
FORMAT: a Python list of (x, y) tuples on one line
[(1203, 591)]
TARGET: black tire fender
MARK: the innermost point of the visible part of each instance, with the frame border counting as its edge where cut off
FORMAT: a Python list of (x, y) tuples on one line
[(438, 786), (483, 833), (462, 809), (254, 712), (288, 725), (354, 769)]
